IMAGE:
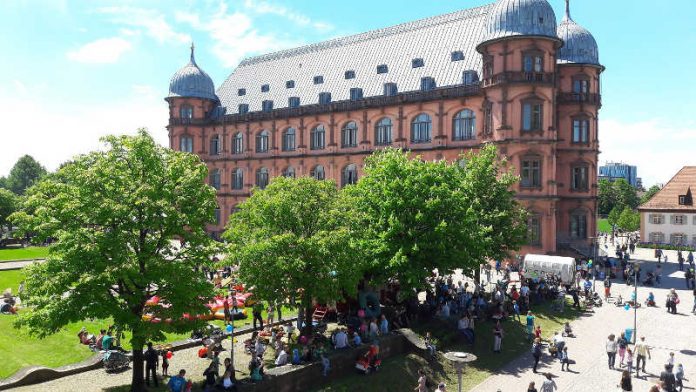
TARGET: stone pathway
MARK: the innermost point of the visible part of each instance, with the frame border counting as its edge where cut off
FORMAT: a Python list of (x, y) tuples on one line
[(664, 332), (19, 264)]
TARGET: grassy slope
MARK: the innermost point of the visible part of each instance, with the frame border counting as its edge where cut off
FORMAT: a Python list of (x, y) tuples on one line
[(28, 253), (603, 226), (61, 348), (400, 373)]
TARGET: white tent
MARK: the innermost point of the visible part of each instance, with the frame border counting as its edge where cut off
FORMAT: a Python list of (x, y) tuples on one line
[(537, 265)]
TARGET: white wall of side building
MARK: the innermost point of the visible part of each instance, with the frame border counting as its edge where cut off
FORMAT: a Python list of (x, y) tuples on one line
[(677, 228)]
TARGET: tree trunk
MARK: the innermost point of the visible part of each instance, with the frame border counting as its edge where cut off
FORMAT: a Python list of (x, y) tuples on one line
[(138, 382), (308, 317)]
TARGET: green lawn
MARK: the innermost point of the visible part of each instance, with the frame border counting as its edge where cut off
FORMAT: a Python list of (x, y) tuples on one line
[(19, 253), (400, 373), (603, 226), (18, 349)]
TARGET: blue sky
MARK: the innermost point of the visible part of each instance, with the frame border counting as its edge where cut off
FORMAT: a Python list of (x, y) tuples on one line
[(76, 70)]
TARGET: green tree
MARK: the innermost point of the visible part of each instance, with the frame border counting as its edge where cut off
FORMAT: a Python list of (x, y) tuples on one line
[(114, 215), (3, 182), (291, 243), (8, 204), (649, 194), (412, 216), (25, 173), (613, 217), (606, 197), (626, 195), (629, 220)]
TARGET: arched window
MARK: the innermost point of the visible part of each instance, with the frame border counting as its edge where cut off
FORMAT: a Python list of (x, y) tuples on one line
[(262, 141), (349, 135), (318, 172), (464, 125), (186, 112), (420, 129), (215, 145), (262, 178), (186, 144), (238, 178), (238, 143), (289, 172), (383, 131), (579, 177), (578, 225), (349, 175), (215, 178), (317, 138), (289, 139)]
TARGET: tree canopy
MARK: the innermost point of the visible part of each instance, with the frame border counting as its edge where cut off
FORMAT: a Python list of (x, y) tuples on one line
[(291, 243), (25, 173), (649, 193), (411, 216), (8, 204), (617, 194), (114, 215), (629, 220)]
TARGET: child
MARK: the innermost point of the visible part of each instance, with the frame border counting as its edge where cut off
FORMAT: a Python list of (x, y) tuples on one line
[(325, 364), (679, 375), (497, 337), (565, 362), (567, 330), (516, 309), (165, 363), (670, 360), (429, 344), (537, 332), (629, 360)]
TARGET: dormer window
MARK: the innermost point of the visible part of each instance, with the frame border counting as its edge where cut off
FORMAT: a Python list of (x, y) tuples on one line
[(293, 102), (457, 55), (290, 84), (469, 77), (243, 108), (687, 200), (390, 89), (350, 75), (267, 105), (417, 63), (241, 91), (382, 68), (265, 88), (318, 79), (324, 98), (356, 93), (427, 83)]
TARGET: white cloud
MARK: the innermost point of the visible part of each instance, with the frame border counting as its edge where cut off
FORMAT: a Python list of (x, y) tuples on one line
[(58, 131), (234, 35), (101, 51), (151, 21), (655, 146)]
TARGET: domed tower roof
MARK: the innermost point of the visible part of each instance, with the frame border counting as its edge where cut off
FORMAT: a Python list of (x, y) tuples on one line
[(509, 18), (192, 82), (579, 45)]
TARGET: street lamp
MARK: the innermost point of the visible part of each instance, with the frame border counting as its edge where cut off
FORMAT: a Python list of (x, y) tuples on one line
[(636, 268), (459, 360)]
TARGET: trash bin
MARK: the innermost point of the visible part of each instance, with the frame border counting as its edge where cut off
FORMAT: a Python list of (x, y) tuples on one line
[(628, 333)]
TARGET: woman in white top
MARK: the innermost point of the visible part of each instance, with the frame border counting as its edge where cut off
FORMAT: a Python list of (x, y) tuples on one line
[(612, 347)]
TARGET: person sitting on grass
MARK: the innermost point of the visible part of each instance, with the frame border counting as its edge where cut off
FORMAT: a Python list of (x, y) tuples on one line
[(357, 340), (340, 339), (8, 308), (282, 357), (429, 344)]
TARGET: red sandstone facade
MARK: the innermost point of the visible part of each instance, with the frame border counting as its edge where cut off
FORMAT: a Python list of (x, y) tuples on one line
[(554, 150)]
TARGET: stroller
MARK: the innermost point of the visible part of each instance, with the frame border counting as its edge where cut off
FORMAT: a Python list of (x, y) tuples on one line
[(115, 361)]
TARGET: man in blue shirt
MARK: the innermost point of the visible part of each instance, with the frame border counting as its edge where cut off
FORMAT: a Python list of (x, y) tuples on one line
[(177, 383)]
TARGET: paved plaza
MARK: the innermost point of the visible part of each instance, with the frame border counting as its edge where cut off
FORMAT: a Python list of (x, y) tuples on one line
[(664, 332)]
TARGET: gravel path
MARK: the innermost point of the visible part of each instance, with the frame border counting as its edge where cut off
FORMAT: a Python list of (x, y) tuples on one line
[(19, 264)]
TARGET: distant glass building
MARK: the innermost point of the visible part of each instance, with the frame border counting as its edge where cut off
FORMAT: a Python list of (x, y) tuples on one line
[(615, 170)]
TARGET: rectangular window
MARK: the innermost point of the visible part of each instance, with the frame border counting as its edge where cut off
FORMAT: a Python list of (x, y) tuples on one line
[(290, 84), (267, 105), (382, 68), (243, 108), (350, 75), (324, 98), (531, 173), (533, 63), (682, 200), (581, 131), (581, 86), (534, 230), (356, 93), (578, 226), (579, 181), (417, 63), (531, 116), (657, 219), (469, 78), (238, 179), (265, 88), (457, 55), (658, 238), (678, 239), (217, 216), (289, 141), (241, 91), (427, 84), (679, 219), (318, 79), (487, 66), (488, 117), (215, 146), (186, 144)]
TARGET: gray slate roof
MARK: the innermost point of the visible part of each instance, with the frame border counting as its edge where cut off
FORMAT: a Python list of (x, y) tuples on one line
[(521, 17), (191, 81), (432, 39), (579, 45)]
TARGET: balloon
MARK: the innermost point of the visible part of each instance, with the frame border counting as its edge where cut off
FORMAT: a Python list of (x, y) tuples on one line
[(627, 306), (229, 328), (170, 354)]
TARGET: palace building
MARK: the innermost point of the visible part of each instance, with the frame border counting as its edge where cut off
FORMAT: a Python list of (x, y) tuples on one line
[(505, 73)]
